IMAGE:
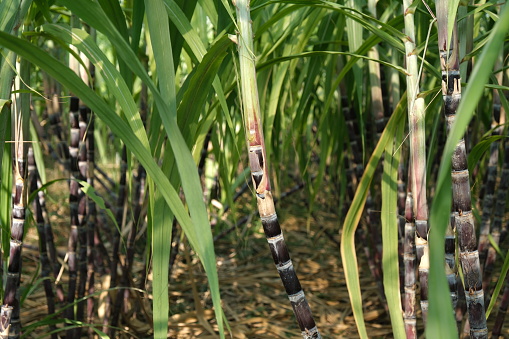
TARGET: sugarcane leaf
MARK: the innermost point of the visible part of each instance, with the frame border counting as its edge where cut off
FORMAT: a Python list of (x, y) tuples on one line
[(91, 13), (38, 154), (390, 262), (30, 289), (161, 46), (440, 310), (277, 60), (496, 247), (503, 100), (137, 23), (451, 18), (2, 103), (44, 8), (5, 112), (229, 11), (193, 40), (9, 11), (354, 30), (68, 78), (43, 187), (179, 19), (479, 149), (300, 36), (99, 201), (275, 18), (348, 252), (501, 281), (114, 12), (196, 90), (114, 81), (5, 182), (100, 333), (385, 31), (161, 222)]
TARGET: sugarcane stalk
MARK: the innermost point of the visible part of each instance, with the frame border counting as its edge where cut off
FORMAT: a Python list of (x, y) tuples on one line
[(119, 216), (409, 260), (43, 137), (491, 172), (139, 199), (498, 216), (43, 254), (502, 311), (82, 215), (417, 154), (47, 232), (110, 181), (91, 226), (50, 244), (74, 199), (260, 173), (450, 260), (371, 243), (375, 81), (10, 319), (58, 131), (462, 206)]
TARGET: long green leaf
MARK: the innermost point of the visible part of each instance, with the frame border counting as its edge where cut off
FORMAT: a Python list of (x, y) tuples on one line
[(479, 149), (193, 40), (114, 81), (196, 90), (197, 237), (348, 253), (390, 261), (188, 171), (318, 53)]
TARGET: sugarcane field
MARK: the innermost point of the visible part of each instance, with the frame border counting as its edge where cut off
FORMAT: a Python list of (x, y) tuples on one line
[(254, 169)]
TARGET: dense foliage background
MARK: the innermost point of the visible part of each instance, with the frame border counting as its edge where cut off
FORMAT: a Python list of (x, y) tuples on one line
[(131, 116)]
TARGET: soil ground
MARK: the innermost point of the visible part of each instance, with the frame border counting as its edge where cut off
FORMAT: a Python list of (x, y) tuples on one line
[(253, 297)]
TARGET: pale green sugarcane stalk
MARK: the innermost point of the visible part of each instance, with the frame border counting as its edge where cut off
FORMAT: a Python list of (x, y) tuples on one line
[(416, 110), (375, 82), (259, 172)]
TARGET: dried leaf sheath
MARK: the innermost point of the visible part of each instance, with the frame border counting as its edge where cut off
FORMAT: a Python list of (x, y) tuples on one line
[(463, 217), (259, 172)]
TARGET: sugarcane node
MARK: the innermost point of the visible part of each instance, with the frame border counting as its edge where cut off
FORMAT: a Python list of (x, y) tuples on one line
[(410, 10)]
